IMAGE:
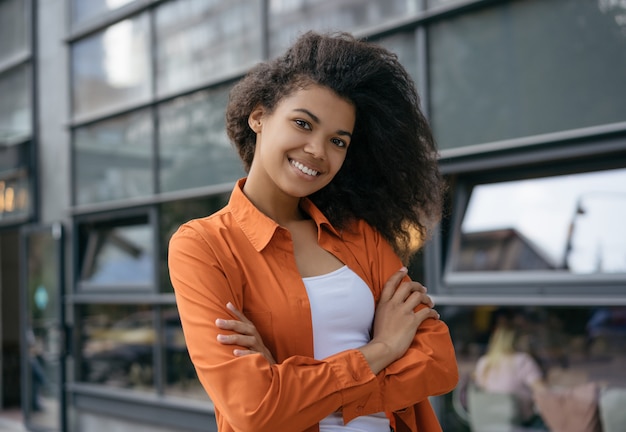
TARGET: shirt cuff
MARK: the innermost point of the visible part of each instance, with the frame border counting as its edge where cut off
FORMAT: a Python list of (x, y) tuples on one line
[(359, 387)]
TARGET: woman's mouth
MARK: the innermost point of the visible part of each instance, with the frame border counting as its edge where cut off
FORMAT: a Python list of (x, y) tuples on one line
[(306, 170)]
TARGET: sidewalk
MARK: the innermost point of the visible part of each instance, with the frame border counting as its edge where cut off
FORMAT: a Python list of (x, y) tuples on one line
[(11, 421)]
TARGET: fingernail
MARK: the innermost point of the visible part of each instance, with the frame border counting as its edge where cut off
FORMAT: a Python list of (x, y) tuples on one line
[(220, 321), (230, 306), (404, 269), (221, 337)]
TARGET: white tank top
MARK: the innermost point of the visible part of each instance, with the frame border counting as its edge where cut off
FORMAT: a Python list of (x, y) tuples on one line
[(342, 311)]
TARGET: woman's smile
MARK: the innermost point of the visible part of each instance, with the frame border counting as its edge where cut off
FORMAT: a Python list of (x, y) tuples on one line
[(311, 172)]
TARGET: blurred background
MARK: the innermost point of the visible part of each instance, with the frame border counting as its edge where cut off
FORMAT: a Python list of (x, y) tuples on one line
[(112, 135)]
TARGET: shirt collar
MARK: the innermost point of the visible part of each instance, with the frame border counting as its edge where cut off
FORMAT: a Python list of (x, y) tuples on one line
[(259, 228)]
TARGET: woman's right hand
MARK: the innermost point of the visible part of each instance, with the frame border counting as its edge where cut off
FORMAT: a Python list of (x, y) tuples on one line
[(395, 321)]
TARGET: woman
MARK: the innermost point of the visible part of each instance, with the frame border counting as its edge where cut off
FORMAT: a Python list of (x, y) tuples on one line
[(505, 369), (301, 273)]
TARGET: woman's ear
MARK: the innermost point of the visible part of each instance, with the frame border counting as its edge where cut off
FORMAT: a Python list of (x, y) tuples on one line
[(255, 119)]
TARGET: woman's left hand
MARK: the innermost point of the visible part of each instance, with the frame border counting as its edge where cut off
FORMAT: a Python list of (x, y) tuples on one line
[(244, 334)]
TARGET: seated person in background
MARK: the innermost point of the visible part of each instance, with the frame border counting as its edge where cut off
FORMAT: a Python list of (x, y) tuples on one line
[(505, 369)]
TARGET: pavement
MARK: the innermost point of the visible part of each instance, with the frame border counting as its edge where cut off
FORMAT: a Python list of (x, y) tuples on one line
[(11, 421)]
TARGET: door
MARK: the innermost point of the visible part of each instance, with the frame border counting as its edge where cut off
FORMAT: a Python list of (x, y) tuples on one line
[(42, 328)]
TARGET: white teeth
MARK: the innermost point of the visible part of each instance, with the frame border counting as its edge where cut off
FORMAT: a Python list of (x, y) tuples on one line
[(304, 169)]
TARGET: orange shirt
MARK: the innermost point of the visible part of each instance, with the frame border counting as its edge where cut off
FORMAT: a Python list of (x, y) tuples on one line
[(239, 255)]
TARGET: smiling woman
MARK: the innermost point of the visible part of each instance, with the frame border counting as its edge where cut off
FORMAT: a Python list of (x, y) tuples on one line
[(296, 307)]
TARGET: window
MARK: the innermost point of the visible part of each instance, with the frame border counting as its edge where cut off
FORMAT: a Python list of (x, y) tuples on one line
[(571, 345), (521, 68), (15, 196), (564, 229), (117, 345), (404, 45), (113, 159), (289, 18), (193, 148), (117, 255), (111, 69), (198, 40), (14, 29), (15, 105), (82, 11)]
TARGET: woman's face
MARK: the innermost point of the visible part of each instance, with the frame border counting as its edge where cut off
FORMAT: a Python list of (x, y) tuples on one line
[(302, 144)]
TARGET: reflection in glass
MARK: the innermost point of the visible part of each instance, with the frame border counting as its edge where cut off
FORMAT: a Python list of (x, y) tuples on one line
[(175, 213), (181, 379), (15, 105), (15, 196), (14, 29), (572, 345), (571, 223), (198, 40), (503, 71), (118, 255), (43, 332), (194, 150), (113, 159), (116, 345), (112, 68), (287, 19), (85, 10)]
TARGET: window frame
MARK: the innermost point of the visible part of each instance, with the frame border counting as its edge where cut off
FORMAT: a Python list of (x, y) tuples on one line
[(84, 227), (463, 172)]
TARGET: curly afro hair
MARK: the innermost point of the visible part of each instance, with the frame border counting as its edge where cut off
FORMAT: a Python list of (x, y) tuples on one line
[(390, 177)]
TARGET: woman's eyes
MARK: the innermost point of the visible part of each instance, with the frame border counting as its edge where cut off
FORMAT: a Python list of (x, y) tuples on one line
[(306, 125), (303, 124), (339, 142)]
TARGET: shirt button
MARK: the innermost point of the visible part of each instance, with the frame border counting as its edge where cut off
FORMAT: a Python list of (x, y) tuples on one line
[(359, 408)]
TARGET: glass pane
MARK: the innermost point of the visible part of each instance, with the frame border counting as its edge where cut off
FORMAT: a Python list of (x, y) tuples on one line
[(404, 45), (15, 197), (181, 379), (14, 29), (14, 156), (15, 105), (572, 223), (85, 10), (116, 345), (436, 3), (113, 159), (523, 68), (571, 346), (198, 40), (175, 213), (194, 149), (118, 255), (111, 69), (43, 331), (289, 18)]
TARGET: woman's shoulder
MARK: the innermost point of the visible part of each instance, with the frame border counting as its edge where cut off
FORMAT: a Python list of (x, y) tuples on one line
[(205, 228)]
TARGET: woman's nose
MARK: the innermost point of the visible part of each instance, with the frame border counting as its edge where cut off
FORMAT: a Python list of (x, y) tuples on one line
[(316, 147)]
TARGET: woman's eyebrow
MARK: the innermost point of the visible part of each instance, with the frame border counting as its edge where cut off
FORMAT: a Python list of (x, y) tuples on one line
[(317, 120)]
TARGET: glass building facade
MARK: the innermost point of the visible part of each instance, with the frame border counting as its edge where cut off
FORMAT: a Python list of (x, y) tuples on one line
[(112, 135)]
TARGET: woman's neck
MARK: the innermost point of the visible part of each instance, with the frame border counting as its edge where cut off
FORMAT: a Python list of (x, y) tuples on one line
[(282, 208)]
